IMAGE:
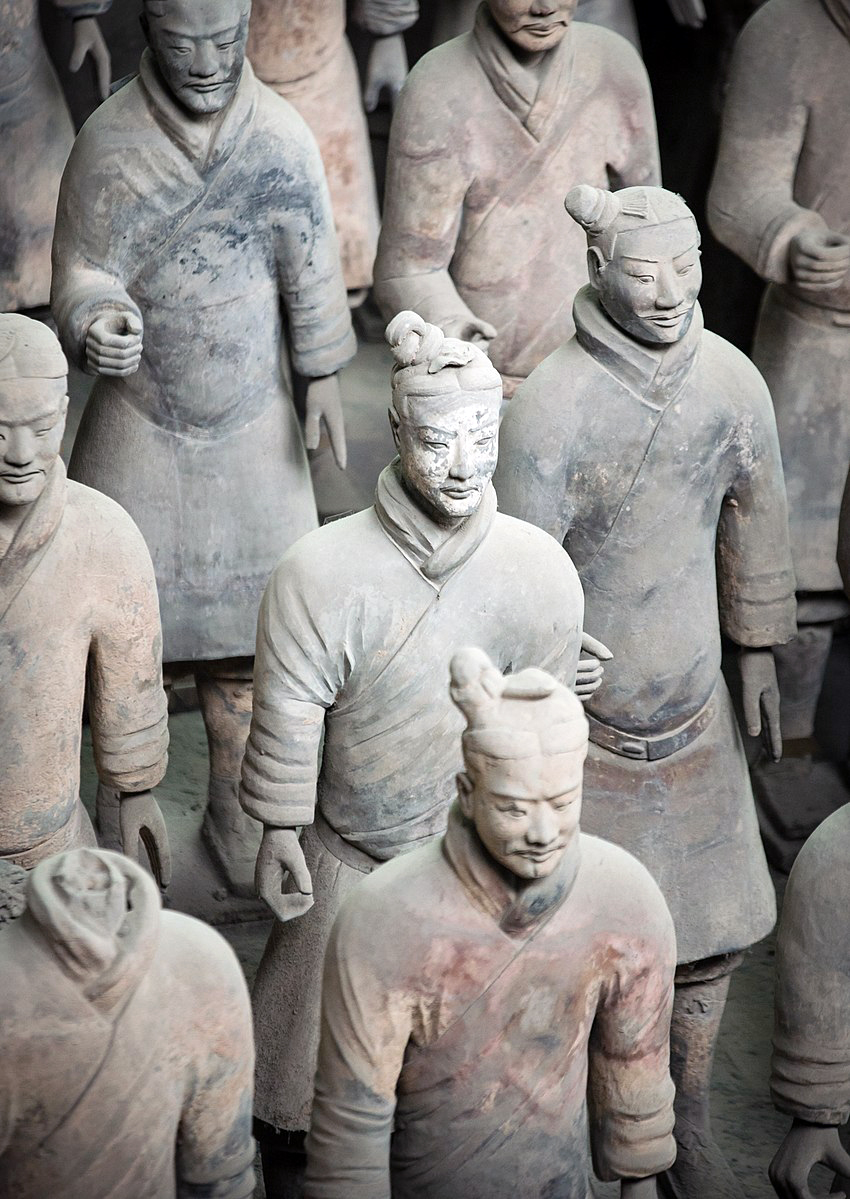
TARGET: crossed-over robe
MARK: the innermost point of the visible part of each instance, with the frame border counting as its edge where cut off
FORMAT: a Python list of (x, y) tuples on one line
[(78, 604), (299, 48), (466, 1020), (659, 471), (810, 1072), (481, 155), (784, 168), (123, 1080), (202, 227), (356, 631), (36, 135)]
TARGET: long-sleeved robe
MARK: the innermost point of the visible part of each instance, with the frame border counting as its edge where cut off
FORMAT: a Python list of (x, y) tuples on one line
[(299, 48), (810, 1075), (356, 631), (36, 135), (480, 160), (465, 1021), (784, 168), (202, 234), (659, 471), (77, 599), (124, 1079)]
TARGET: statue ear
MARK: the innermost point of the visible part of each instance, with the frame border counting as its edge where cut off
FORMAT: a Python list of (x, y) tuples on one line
[(465, 787), (394, 424), (595, 265)]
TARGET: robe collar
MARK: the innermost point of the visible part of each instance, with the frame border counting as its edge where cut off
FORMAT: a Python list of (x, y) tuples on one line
[(107, 967), (436, 551), (208, 140), (515, 905), (656, 374), (839, 13), (532, 96), (33, 536)]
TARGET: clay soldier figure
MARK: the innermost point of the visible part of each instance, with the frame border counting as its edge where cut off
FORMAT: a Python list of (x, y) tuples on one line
[(353, 627), (125, 1043), (780, 199), (299, 48), (810, 1077), (486, 133), (479, 988), (193, 203), (78, 610), (36, 134), (648, 447)]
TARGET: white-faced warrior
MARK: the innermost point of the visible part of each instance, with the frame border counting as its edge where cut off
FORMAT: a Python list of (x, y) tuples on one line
[(78, 620), (492, 998), (780, 199), (125, 1043), (194, 218), (355, 627), (487, 131), (647, 446)]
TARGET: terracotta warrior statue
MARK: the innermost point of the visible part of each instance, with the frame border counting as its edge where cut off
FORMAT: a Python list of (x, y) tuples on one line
[(193, 215), (488, 129), (479, 989), (36, 134), (810, 1077), (78, 618), (647, 446), (125, 1043), (353, 627), (780, 199), (299, 48)]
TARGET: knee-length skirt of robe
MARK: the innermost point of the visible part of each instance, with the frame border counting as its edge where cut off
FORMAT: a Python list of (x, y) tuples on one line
[(690, 819), (804, 354)]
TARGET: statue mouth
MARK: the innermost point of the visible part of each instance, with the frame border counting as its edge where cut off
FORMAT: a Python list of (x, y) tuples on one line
[(19, 478)]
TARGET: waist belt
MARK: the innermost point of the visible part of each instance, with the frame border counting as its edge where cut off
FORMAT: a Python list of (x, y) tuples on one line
[(808, 310), (342, 850), (650, 749)]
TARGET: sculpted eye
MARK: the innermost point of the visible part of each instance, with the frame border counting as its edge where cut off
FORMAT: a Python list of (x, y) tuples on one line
[(686, 270), (225, 45), (43, 432), (485, 440), (436, 445), (182, 49)]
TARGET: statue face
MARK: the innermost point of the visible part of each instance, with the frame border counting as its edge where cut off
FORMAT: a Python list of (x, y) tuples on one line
[(533, 25), (32, 422), (448, 455), (526, 812), (650, 286), (199, 46)]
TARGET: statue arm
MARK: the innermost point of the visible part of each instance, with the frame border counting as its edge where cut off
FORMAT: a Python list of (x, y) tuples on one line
[(810, 1068), (636, 161), (87, 262), (424, 207), (215, 1149), (630, 1093), (751, 205), (366, 1027)]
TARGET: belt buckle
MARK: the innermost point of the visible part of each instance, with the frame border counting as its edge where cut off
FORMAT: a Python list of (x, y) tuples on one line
[(634, 749)]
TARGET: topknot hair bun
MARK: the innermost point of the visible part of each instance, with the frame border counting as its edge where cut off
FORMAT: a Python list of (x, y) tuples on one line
[(412, 340), (592, 207), (476, 684)]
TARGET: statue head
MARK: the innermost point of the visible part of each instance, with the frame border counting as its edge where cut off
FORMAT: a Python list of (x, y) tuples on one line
[(33, 405), (199, 47), (643, 258), (533, 26), (444, 417), (523, 751)]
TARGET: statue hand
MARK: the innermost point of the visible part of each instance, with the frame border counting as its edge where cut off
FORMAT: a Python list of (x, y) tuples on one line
[(690, 13), (89, 40), (386, 69), (761, 698), (324, 403), (805, 1146), (281, 854), (638, 1188), (114, 344), (140, 817), (590, 668), (819, 259), (469, 328)]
